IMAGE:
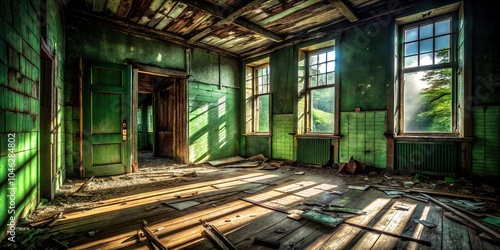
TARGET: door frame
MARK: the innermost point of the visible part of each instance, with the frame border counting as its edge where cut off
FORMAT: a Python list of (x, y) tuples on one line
[(182, 144), (48, 173)]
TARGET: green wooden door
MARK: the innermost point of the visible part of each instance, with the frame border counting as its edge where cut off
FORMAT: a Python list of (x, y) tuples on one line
[(106, 106)]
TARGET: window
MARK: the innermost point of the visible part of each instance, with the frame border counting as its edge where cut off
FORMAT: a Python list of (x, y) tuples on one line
[(427, 76), (139, 120), (150, 119), (320, 91), (262, 99)]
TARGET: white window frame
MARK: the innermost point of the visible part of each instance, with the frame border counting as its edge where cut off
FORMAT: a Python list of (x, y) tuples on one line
[(452, 64)]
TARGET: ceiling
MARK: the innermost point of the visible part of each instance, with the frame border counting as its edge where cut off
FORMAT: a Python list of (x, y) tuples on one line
[(236, 28)]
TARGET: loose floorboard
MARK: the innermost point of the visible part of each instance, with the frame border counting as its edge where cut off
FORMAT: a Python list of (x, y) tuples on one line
[(116, 221)]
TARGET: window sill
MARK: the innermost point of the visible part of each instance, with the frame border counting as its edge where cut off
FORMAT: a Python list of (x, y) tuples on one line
[(427, 138), (257, 135), (317, 136)]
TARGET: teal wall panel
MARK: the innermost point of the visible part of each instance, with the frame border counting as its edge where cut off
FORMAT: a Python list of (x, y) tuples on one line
[(363, 137), (486, 147), (282, 141)]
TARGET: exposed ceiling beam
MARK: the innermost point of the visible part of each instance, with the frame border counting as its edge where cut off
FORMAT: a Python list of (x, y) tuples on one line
[(227, 20), (218, 12), (141, 30), (346, 9)]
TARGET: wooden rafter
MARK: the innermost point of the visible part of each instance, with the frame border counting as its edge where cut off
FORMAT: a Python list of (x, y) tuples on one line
[(217, 12), (226, 20), (346, 9), (141, 30)]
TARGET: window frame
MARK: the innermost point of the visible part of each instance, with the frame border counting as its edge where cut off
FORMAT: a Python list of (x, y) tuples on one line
[(256, 95), (452, 64), (309, 88)]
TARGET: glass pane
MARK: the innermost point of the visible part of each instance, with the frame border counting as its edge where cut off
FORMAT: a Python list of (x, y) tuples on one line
[(330, 67), (331, 55), (150, 118), (411, 35), (313, 70), (264, 71), (259, 72), (263, 113), (411, 61), (322, 68), (442, 42), (330, 79), (260, 90), (322, 57), (322, 113), (314, 81), (442, 56), (411, 48), (313, 60), (442, 27), (322, 79), (264, 79), (139, 119), (426, 59), (427, 101), (426, 46), (259, 81), (426, 31)]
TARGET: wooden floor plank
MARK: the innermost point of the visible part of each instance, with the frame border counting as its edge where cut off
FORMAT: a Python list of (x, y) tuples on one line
[(344, 234), (455, 235)]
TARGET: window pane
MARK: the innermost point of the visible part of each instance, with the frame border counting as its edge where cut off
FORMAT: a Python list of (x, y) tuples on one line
[(331, 55), (322, 68), (313, 70), (322, 113), (259, 72), (150, 118), (427, 101), (426, 46), (263, 113), (313, 60), (264, 79), (442, 56), (330, 78), (264, 71), (411, 61), (314, 81), (426, 59), (411, 35), (322, 79), (442, 42), (426, 31), (442, 27), (411, 48), (322, 58), (330, 67), (139, 119)]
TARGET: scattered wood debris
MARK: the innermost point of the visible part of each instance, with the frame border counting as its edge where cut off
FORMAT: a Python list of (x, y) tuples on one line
[(361, 188), (153, 240), (259, 157), (344, 210), (81, 187), (402, 207), (217, 236), (425, 223), (229, 160), (265, 242), (352, 167), (322, 218)]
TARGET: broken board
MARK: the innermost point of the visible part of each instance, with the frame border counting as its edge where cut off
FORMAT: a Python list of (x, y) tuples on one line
[(182, 205), (321, 218), (250, 164), (234, 159)]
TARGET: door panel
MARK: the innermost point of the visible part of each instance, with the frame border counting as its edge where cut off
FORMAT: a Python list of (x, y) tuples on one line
[(165, 121), (106, 106)]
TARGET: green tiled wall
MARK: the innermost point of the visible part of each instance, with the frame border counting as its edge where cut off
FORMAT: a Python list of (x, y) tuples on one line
[(282, 141), (486, 147), (213, 122), (363, 137)]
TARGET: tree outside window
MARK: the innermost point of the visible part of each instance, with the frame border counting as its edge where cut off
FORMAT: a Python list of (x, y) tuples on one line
[(321, 91), (427, 77), (262, 98)]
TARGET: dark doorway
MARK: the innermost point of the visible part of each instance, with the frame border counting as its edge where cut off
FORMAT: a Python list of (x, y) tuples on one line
[(162, 124), (48, 124)]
